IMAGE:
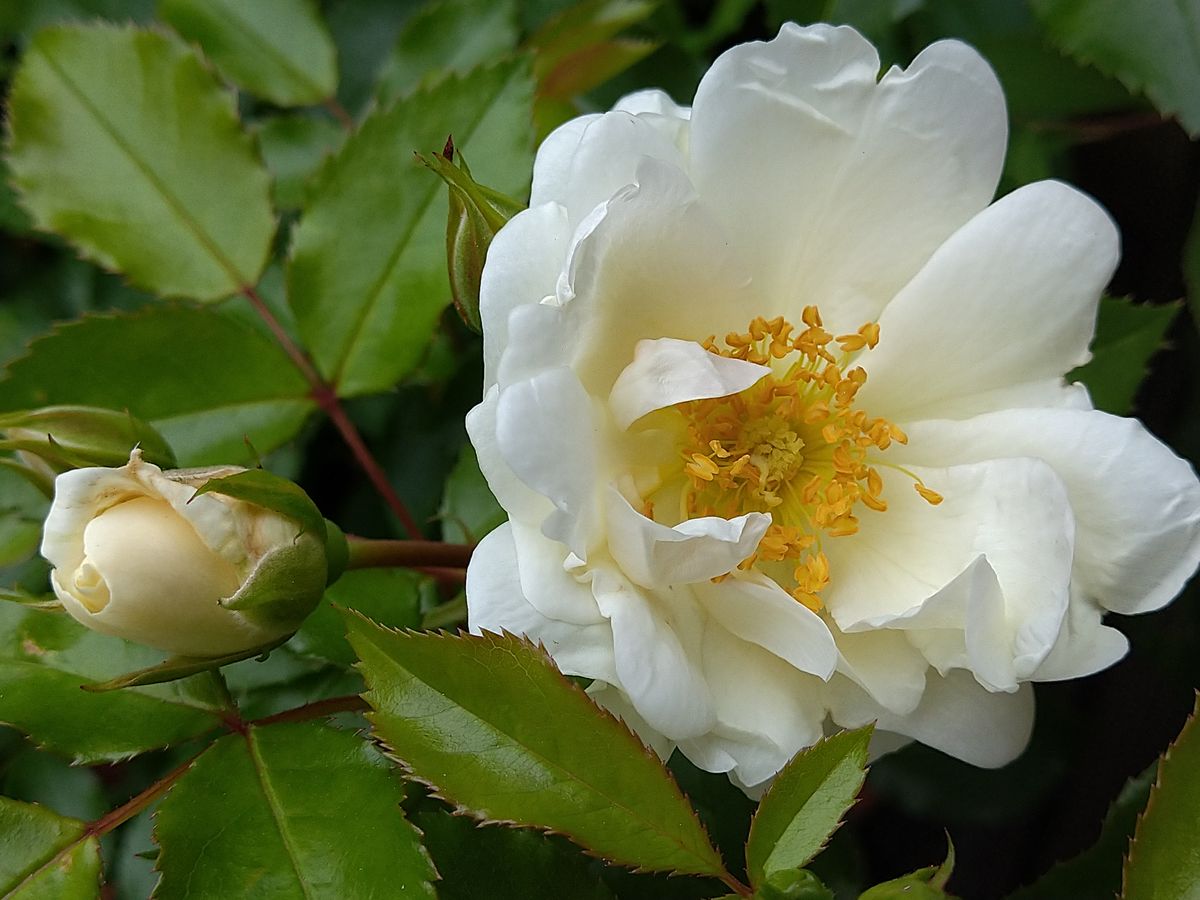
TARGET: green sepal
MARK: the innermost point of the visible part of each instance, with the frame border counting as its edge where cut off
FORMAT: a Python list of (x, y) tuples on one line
[(68, 437), (178, 667), (793, 884), (337, 552), (928, 883), (285, 586), (260, 487), (476, 214), (34, 601)]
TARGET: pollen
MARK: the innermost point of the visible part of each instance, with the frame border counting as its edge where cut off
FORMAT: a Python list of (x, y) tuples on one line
[(793, 445)]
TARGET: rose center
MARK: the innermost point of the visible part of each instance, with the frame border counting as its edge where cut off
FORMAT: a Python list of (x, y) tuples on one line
[(793, 445)]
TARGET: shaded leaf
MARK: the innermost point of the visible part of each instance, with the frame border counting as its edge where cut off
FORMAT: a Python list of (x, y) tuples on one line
[(1095, 874), (277, 49), (45, 658), (1127, 336), (447, 36), (366, 307), (294, 148), (44, 856), (1154, 47), (478, 861), (469, 510), (456, 711), (289, 811), (215, 382), (805, 804), (390, 596), (123, 142), (1164, 855)]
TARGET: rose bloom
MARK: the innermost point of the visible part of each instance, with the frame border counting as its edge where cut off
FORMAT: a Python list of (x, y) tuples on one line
[(775, 402)]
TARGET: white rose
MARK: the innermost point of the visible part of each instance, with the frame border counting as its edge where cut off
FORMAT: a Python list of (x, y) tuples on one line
[(139, 555), (775, 402)]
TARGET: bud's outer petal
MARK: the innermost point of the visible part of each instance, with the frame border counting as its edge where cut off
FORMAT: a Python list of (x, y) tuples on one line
[(137, 554)]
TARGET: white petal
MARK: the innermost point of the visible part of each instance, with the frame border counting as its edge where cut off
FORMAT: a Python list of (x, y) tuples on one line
[(660, 677), (838, 187), (669, 371), (1136, 504), (495, 603), (1000, 313), (956, 716), (654, 102), (695, 550), (618, 704), (885, 665), (545, 581), (519, 501), (1084, 646), (766, 710), (757, 610), (1014, 512), (585, 161), (546, 433), (654, 265), (523, 265)]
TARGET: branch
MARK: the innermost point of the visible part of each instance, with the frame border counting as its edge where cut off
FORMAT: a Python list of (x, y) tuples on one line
[(326, 398), (367, 554)]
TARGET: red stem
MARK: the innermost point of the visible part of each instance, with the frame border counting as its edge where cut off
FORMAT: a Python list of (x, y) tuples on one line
[(339, 112), (131, 808), (315, 710), (368, 553), (326, 398)]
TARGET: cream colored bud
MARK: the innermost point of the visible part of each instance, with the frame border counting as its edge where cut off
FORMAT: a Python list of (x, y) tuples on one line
[(137, 554)]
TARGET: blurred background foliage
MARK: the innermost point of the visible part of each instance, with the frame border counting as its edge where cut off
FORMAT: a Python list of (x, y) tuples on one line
[(1102, 94)]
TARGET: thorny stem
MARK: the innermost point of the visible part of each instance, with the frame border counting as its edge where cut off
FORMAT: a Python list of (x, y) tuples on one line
[(367, 553), (132, 807), (326, 398), (736, 886), (339, 112), (315, 710)]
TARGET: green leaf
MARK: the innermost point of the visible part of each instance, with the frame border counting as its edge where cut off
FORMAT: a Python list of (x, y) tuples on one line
[(390, 596), (805, 804), (215, 381), (447, 36), (504, 863), (1127, 336), (277, 49), (294, 148), (366, 306), (46, 657), (1095, 874), (468, 511), (44, 856), (458, 712), (124, 143), (1154, 47), (1164, 856), (289, 811), (269, 491)]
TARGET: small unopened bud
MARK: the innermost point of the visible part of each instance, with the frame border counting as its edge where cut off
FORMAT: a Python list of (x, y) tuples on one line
[(476, 214), (196, 562), (59, 438), (793, 884)]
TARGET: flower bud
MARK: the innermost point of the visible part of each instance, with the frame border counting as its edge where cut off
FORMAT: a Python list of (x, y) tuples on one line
[(476, 214), (155, 557)]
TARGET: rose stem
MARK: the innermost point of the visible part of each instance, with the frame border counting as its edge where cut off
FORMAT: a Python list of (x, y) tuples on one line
[(132, 807), (339, 112), (315, 710), (326, 398), (368, 553)]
